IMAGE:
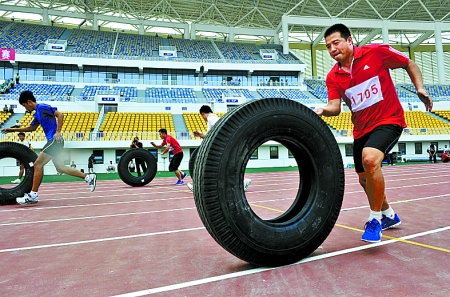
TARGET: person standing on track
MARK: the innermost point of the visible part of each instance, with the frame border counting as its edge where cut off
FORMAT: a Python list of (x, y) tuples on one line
[(211, 118), (46, 116), (22, 140), (361, 78), (171, 144)]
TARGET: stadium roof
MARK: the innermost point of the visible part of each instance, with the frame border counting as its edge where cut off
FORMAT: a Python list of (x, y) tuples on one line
[(254, 14)]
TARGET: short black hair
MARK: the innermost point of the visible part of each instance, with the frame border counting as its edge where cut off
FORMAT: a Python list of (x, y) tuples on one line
[(21, 133), (25, 96), (163, 131), (341, 28), (205, 109)]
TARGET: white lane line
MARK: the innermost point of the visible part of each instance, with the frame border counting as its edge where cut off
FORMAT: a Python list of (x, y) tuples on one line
[(97, 240), (258, 270), (97, 217), (192, 208)]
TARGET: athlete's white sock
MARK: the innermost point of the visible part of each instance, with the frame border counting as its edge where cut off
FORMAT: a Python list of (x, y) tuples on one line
[(390, 213), (375, 215), (33, 194), (87, 178)]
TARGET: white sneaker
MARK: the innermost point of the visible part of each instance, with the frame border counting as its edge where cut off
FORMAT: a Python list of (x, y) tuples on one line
[(92, 182), (27, 199), (16, 181), (247, 183), (190, 186)]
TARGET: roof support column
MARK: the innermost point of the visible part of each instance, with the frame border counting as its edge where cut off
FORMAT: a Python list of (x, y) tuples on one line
[(45, 21), (231, 35), (141, 28), (385, 31), (95, 23), (439, 53), (192, 31), (285, 30)]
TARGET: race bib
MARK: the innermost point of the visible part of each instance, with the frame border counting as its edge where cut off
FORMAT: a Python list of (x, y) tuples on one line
[(365, 94)]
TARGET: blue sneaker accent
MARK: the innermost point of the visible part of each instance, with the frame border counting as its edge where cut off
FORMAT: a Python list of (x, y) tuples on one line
[(387, 223), (373, 231), (179, 182), (184, 175)]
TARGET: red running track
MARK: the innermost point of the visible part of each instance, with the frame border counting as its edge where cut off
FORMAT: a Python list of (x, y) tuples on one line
[(129, 241)]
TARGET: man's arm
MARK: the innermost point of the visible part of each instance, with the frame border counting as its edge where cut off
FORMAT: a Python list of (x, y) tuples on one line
[(157, 146), (333, 108), (166, 149), (60, 118), (24, 129), (416, 77)]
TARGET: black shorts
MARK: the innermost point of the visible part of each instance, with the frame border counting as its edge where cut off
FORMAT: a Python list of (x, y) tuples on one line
[(382, 138), (53, 148), (176, 161)]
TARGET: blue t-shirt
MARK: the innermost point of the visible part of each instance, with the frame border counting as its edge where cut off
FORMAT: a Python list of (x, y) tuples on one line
[(45, 116)]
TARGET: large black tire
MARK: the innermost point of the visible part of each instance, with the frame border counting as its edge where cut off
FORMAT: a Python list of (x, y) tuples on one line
[(25, 155), (222, 204), (137, 181), (192, 162)]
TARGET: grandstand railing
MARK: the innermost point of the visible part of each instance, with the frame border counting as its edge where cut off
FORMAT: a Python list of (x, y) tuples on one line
[(123, 57), (128, 135)]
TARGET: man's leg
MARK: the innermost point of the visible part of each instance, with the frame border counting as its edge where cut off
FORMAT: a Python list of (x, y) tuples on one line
[(91, 179), (39, 164), (58, 161), (374, 179), (21, 170)]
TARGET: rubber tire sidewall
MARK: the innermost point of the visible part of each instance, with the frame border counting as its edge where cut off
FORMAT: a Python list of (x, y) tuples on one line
[(27, 157), (137, 181), (222, 204)]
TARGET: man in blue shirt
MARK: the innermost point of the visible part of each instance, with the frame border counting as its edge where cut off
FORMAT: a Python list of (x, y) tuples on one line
[(45, 116)]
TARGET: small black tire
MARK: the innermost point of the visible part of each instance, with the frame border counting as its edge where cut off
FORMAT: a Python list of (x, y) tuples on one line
[(137, 181), (221, 202), (192, 162), (27, 157)]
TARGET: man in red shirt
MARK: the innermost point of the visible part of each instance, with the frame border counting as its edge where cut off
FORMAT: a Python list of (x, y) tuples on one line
[(172, 145), (361, 78)]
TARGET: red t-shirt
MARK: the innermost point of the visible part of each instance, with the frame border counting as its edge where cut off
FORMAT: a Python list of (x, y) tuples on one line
[(175, 147), (369, 91)]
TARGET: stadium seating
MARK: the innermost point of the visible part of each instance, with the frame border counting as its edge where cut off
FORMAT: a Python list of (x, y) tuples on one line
[(91, 42), (318, 88), (443, 113), (279, 50), (212, 94), (77, 127), (126, 125), (170, 95), (44, 92), (238, 51), (4, 117), (196, 49), (293, 94), (28, 36), (195, 122), (137, 45), (89, 91), (421, 123), (441, 91), (342, 123), (405, 96)]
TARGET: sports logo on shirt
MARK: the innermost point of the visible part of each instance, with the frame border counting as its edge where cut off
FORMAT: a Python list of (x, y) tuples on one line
[(365, 94)]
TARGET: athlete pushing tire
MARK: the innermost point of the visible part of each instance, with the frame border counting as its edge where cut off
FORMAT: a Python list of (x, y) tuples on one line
[(221, 202)]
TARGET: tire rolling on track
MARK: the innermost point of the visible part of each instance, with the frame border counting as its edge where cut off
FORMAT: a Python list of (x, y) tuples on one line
[(221, 202), (25, 155), (148, 175), (192, 162)]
